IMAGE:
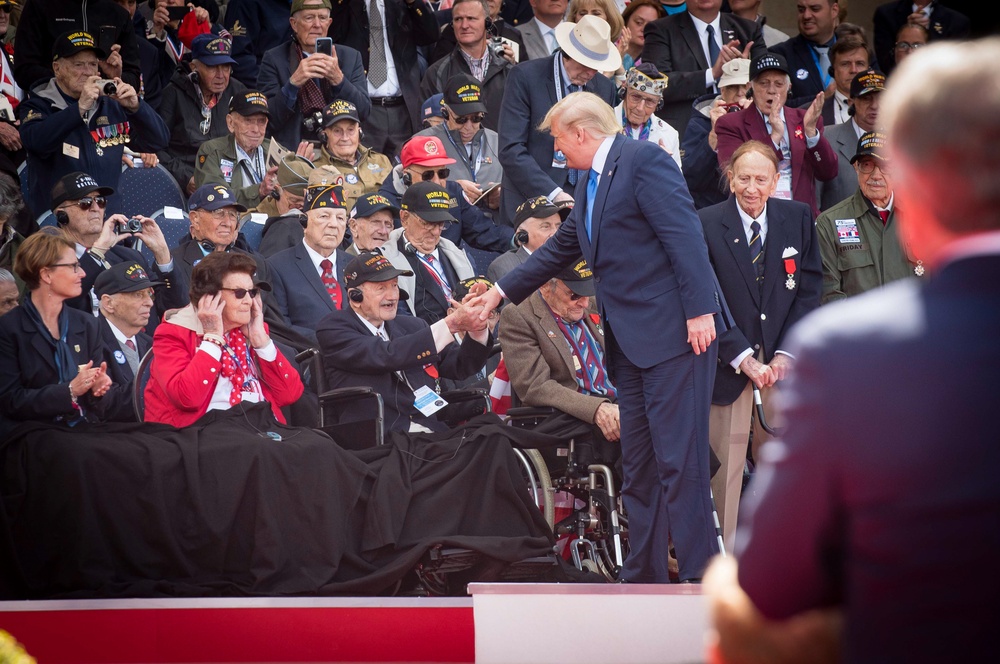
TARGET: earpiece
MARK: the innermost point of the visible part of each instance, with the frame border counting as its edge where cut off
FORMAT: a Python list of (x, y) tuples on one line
[(62, 218), (408, 248), (355, 295), (520, 238), (407, 179), (210, 246)]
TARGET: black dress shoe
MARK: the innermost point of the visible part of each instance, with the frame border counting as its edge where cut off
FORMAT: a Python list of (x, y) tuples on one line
[(691, 580)]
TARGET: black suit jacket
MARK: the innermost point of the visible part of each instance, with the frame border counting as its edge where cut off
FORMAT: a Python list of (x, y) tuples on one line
[(299, 292), (119, 369), (675, 47), (806, 79), (353, 357), (762, 316), (945, 23), (409, 26)]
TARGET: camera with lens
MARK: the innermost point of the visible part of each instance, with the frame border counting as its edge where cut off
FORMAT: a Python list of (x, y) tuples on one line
[(496, 47), (107, 87), (133, 225), (313, 122)]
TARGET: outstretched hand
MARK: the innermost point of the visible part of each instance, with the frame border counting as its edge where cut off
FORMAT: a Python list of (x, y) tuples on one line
[(489, 301)]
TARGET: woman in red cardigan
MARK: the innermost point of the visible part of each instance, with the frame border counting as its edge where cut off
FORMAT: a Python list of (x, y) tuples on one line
[(216, 352)]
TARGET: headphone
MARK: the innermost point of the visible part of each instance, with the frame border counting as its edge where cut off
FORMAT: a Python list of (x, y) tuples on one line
[(408, 248), (407, 179), (62, 218), (355, 295), (210, 246), (520, 238)]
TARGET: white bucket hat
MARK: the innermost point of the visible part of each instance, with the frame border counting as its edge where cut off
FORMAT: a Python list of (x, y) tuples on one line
[(588, 42)]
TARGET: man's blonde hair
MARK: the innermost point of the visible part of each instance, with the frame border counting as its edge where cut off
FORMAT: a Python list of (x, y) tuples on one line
[(586, 111)]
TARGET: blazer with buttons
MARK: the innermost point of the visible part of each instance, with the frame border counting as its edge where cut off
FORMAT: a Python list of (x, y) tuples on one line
[(298, 290)]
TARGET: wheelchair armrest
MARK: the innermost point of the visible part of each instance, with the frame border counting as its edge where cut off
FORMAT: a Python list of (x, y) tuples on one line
[(349, 394), (518, 412), (469, 394), (307, 354)]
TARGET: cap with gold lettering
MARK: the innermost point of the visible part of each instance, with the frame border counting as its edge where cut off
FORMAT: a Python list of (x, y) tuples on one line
[(429, 201)]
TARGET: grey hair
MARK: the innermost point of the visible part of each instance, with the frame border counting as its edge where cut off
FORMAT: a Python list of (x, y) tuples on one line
[(942, 113), (5, 275), (10, 197)]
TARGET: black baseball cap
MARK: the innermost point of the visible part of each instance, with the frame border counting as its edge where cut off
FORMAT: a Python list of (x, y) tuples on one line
[(579, 278), (871, 144), (74, 186), (123, 278), (249, 103), (372, 266), (429, 201), (463, 94), (70, 43), (340, 110), (539, 207), (369, 204), (463, 287), (213, 197), (762, 63), (867, 82)]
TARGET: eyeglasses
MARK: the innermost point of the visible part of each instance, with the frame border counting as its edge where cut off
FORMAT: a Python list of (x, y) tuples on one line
[(442, 174), (475, 117), (636, 98), (241, 293), (225, 213), (76, 266), (433, 225), (867, 166), (86, 203), (908, 46)]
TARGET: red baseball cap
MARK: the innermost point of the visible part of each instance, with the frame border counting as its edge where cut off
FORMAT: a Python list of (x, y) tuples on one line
[(424, 151)]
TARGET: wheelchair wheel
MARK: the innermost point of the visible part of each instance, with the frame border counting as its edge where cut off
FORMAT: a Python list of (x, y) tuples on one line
[(536, 475)]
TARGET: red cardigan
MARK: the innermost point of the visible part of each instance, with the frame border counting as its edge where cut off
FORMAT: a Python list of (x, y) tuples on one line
[(183, 379)]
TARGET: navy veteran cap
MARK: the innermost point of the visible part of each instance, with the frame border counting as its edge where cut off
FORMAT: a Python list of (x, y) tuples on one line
[(428, 201), (250, 102), (463, 94), (372, 266), (318, 196), (74, 186), (765, 62), (69, 44), (213, 197), (123, 278), (340, 110), (465, 285), (212, 50), (431, 108), (539, 207), (369, 204), (871, 144), (866, 83), (579, 278)]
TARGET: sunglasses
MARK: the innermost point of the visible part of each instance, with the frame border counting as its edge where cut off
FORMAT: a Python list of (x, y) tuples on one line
[(475, 117), (86, 203), (7, 7), (241, 293), (442, 173)]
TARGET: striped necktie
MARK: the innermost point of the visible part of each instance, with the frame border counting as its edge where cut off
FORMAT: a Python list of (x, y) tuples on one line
[(757, 252)]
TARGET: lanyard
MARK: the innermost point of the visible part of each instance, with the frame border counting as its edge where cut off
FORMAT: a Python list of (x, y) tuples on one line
[(477, 154), (438, 277), (557, 77)]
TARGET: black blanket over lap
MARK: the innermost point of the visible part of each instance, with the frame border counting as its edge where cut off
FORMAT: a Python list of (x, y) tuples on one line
[(134, 510)]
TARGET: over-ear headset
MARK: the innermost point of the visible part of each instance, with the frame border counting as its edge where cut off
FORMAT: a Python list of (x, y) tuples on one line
[(62, 218), (355, 295), (407, 179), (408, 248), (210, 246), (520, 238)]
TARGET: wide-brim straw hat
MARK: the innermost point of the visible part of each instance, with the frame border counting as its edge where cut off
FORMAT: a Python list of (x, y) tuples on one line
[(589, 43)]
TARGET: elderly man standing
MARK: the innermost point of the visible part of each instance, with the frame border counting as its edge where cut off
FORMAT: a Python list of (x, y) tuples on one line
[(644, 88), (534, 223), (436, 262), (362, 169), (531, 163), (299, 82), (796, 136), (308, 278), (766, 256), (652, 275), (858, 237), (473, 56), (866, 92), (195, 104), (239, 160), (76, 121), (370, 223)]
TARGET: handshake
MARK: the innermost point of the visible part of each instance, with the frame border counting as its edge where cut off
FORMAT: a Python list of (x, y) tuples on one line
[(467, 316)]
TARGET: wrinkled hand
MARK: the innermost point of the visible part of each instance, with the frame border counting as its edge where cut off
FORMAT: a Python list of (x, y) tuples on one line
[(112, 67), (108, 238), (84, 380), (126, 96), (813, 114), (305, 150), (210, 313), (269, 182), (781, 365), (623, 40), (508, 54), (89, 94), (760, 374), (608, 420), (160, 19), (200, 13), (777, 124), (152, 236), (489, 301), (255, 328), (562, 196), (465, 316), (701, 333), (102, 381), (10, 137), (314, 66), (471, 190)]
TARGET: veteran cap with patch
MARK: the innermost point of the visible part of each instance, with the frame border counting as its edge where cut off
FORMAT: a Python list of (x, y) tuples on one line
[(372, 266), (463, 287), (644, 77), (871, 144), (766, 62), (369, 204), (340, 110), (214, 197), (249, 103), (69, 44), (74, 186), (579, 278), (424, 151), (212, 50), (539, 207), (867, 82), (463, 94), (124, 277), (324, 196), (428, 201)]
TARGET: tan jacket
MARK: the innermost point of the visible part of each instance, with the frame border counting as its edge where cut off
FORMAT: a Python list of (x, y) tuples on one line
[(364, 177)]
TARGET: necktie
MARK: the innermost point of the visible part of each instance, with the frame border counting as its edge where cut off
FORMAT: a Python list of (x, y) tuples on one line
[(437, 274), (757, 251), (130, 344), (591, 195), (885, 216), (330, 281), (824, 62), (591, 377), (377, 69), (713, 46), (550, 41)]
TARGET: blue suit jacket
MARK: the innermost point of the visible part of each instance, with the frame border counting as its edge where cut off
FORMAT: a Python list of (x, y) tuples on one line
[(525, 152), (807, 81), (299, 292), (648, 253), (789, 225), (888, 475)]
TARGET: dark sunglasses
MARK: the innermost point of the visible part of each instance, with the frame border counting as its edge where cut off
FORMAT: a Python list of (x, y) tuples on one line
[(86, 203), (442, 173), (7, 7), (241, 293), (475, 117)]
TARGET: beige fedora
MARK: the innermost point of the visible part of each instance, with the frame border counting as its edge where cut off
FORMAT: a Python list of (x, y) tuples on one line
[(588, 42)]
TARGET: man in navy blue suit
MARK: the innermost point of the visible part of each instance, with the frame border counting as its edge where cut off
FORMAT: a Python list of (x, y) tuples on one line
[(766, 256), (636, 225), (884, 487), (307, 279), (532, 166)]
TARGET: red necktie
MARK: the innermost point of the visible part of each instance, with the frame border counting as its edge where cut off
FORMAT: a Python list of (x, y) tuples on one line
[(130, 344), (330, 281), (885, 216)]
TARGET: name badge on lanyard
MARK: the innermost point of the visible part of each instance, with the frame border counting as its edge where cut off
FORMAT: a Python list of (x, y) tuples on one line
[(784, 190)]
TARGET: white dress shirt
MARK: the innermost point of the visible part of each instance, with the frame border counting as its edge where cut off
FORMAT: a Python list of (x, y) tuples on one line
[(390, 88)]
